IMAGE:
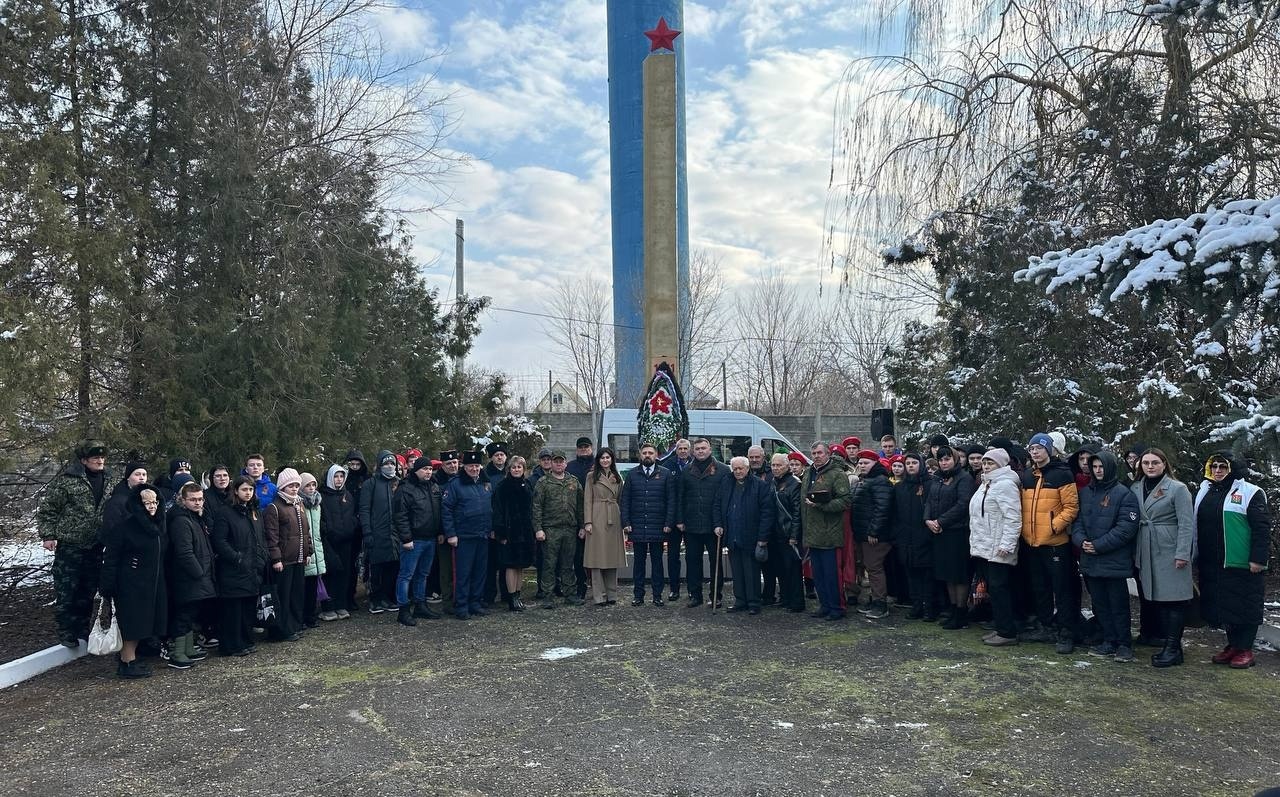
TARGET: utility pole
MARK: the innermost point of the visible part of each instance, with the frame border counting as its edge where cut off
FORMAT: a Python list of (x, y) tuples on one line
[(457, 280), (724, 386)]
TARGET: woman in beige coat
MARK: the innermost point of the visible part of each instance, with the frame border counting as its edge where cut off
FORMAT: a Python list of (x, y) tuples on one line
[(604, 552)]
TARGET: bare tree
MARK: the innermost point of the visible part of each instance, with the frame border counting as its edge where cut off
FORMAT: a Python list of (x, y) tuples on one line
[(774, 361), (702, 321), (581, 332), (370, 105), (862, 325), (970, 111)]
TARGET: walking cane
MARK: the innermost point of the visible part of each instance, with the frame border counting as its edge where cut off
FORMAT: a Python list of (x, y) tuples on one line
[(715, 576)]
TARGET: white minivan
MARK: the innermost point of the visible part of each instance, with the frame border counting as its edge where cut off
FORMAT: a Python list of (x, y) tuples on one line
[(731, 433)]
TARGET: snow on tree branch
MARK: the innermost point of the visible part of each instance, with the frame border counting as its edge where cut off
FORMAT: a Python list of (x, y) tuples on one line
[(1240, 241)]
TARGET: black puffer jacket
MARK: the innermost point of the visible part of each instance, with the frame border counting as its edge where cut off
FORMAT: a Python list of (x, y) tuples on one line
[(240, 545), (648, 504), (1109, 519), (697, 493), (339, 511), (948, 503), (190, 557), (417, 510), (911, 538), (948, 499), (872, 496), (377, 518)]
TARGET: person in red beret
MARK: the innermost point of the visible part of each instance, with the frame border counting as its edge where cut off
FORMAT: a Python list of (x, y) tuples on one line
[(402, 466), (796, 463), (851, 443), (839, 451)]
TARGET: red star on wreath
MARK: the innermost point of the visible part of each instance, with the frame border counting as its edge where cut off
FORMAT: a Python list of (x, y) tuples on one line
[(660, 404), (662, 37)]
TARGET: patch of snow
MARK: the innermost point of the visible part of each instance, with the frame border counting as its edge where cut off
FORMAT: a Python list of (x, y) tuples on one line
[(556, 654), (784, 725), (305, 705), (1210, 349), (237, 730), (1080, 665), (358, 717), (911, 725), (10, 334)]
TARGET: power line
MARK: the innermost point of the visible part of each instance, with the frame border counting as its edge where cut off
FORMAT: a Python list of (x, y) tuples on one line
[(817, 342)]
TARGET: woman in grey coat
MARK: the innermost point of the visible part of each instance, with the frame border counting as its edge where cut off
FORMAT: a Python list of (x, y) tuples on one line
[(1163, 557)]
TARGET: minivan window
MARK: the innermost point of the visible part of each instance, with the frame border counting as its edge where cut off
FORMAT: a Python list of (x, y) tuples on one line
[(726, 447), (773, 446), (626, 448)]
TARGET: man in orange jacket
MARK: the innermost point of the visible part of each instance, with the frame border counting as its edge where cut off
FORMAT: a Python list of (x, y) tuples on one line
[(1049, 506)]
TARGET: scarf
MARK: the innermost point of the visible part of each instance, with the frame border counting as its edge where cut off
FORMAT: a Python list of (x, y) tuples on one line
[(310, 501)]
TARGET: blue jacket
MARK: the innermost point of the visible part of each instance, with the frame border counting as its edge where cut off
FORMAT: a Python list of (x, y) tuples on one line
[(467, 508), (266, 490), (648, 504), (746, 513), (1108, 518)]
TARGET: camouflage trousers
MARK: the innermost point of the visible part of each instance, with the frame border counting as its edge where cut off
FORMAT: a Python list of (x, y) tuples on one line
[(76, 569), (557, 559)]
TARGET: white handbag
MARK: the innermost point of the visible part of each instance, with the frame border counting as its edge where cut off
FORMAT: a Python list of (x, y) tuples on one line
[(104, 640)]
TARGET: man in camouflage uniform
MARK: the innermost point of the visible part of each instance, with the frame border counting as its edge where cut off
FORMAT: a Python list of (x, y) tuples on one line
[(68, 519), (557, 522)]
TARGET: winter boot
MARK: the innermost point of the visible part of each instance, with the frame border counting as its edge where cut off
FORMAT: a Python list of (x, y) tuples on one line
[(917, 611), (1171, 655), (177, 658), (405, 617), (422, 610), (514, 603), (959, 619), (194, 651)]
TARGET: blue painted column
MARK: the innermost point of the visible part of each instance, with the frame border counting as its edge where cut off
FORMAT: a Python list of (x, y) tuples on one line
[(628, 47)]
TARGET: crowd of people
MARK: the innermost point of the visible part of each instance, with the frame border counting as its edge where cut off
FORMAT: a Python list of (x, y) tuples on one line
[(997, 534)]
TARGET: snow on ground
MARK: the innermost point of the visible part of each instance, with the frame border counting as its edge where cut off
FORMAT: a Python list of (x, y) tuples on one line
[(26, 553)]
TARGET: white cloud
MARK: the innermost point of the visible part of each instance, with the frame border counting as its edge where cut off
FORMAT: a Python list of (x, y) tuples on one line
[(531, 92), (702, 22), (765, 22), (404, 29)]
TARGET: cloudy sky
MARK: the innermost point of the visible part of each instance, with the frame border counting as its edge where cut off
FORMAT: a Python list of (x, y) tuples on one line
[(528, 81)]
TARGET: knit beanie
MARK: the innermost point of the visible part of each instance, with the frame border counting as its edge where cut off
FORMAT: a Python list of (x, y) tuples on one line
[(998, 456), (287, 477)]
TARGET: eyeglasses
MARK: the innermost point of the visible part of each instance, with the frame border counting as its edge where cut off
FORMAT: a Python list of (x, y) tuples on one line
[(151, 503)]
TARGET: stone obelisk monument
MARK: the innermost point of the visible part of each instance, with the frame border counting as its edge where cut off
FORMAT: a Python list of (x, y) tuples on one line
[(630, 21), (661, 213)]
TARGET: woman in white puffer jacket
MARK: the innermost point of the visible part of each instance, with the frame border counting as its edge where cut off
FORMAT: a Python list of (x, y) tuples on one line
[(995, 524)]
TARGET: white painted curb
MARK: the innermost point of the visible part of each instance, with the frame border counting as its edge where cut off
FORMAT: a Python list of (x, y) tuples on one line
[(19, 670)]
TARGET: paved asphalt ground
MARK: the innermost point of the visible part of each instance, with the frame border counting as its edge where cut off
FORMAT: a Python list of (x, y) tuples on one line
[(659, 701)]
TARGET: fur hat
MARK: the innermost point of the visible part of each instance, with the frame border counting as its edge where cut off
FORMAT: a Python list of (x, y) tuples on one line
[(472, 458)]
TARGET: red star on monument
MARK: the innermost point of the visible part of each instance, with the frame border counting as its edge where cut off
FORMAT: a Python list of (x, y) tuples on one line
[(660, 404), (662, 37)]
